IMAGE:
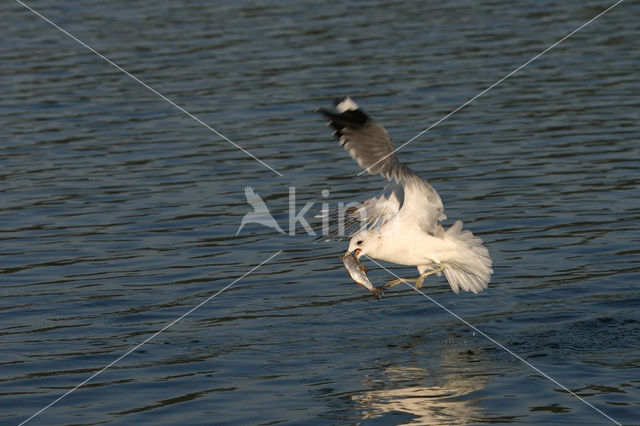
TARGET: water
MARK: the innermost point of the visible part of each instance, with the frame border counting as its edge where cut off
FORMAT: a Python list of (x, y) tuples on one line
[(118, 213)]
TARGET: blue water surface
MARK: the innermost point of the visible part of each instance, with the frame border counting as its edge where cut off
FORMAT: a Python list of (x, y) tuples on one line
[(119, 212)]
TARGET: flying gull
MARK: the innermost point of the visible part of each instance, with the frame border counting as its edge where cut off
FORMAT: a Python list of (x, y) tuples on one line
[(402, 224)]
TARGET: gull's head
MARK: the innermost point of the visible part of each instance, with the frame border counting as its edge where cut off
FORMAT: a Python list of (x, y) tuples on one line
[(363, 242)]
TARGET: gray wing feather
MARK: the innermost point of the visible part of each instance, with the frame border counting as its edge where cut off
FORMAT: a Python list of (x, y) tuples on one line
[(368, 143), (371, 213), (370, 146)]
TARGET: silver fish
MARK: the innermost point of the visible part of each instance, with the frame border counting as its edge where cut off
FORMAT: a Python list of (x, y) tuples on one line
[(358, 273)]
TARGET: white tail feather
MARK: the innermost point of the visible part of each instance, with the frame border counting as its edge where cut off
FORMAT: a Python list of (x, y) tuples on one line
[(470, 269)]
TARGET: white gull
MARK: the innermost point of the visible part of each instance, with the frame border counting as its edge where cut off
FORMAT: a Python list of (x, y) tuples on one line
[(401, 224)]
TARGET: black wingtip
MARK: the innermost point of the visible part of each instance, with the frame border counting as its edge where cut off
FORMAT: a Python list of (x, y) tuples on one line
[(356, 117), (325, 112)]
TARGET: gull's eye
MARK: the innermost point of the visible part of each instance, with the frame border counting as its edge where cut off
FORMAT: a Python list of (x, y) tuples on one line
[(359, 242)]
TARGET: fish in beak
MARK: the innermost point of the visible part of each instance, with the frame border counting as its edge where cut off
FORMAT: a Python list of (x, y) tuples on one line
[(358, 272)]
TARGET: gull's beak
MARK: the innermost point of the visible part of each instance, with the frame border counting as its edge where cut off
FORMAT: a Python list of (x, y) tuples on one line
[(358, 253)]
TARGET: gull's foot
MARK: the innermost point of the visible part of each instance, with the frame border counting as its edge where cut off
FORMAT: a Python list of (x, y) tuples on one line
[(398, 281), (421, 278), (377, 293)]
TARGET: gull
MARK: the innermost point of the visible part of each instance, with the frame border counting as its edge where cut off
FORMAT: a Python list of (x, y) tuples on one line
[(401, 225)]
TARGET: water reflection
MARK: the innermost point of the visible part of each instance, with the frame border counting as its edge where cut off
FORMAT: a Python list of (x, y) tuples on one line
[(412, 390)]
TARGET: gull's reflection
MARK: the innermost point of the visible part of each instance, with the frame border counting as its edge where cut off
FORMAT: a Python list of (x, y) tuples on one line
[(429, 397)]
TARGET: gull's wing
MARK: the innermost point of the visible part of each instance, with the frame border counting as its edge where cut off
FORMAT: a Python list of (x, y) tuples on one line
[(365, 140), (371, 213), (376, 211), (370, 145)]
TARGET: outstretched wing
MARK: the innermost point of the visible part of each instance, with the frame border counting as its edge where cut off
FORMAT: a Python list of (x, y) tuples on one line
[(365, 140), (370, 145), (371, 213)]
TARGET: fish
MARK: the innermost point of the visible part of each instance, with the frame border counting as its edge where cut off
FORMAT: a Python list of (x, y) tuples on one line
[(358, 272)]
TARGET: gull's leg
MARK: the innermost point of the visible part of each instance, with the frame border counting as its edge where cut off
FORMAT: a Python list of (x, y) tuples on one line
[(398, 281), (421, 278)]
